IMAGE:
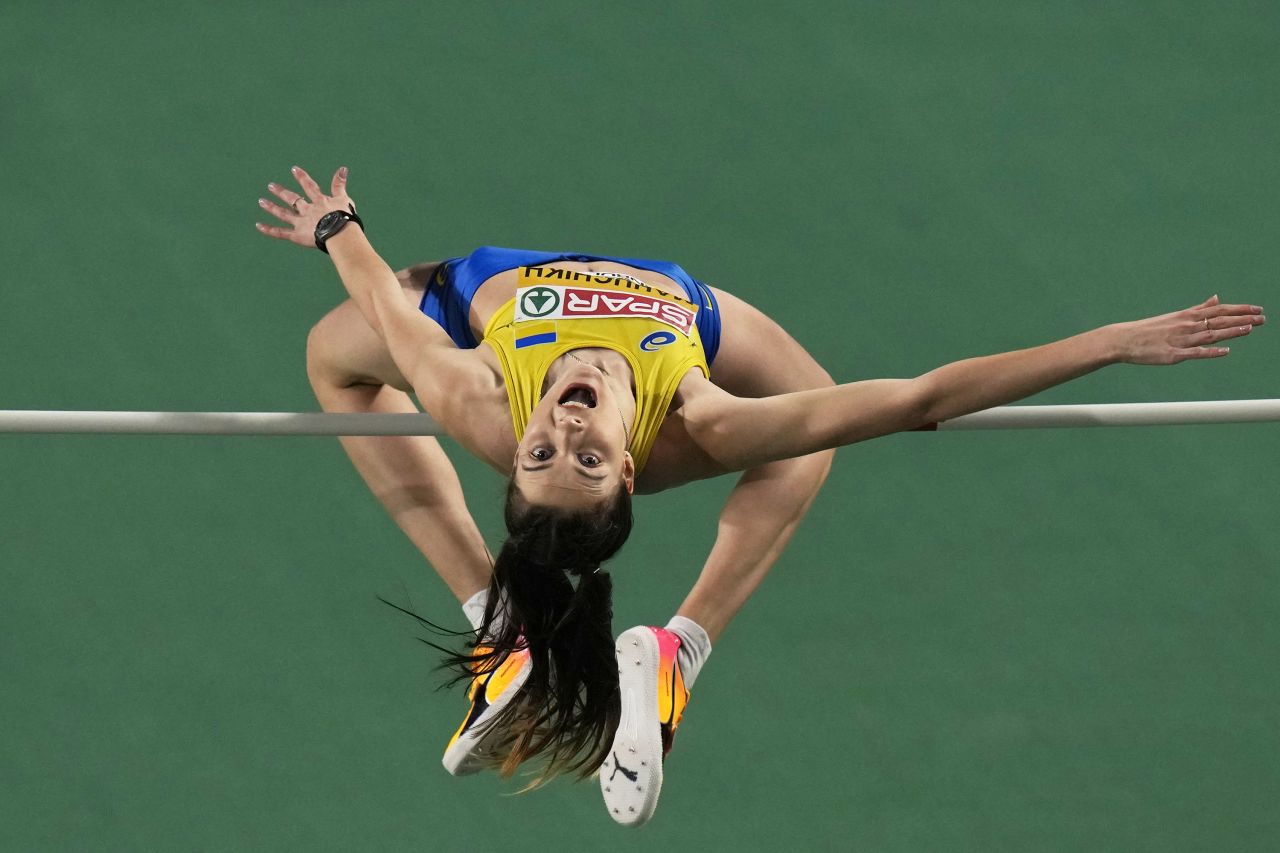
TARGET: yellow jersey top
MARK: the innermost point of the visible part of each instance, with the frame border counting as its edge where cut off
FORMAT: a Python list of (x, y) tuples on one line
[(558, 310)]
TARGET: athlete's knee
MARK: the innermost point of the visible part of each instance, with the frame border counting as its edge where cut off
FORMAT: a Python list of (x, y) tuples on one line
[(343, 351), (323, 341)]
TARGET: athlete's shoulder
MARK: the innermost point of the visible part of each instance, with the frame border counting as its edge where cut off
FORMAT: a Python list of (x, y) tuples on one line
[(706, 410), (467, 396), (695, 387)]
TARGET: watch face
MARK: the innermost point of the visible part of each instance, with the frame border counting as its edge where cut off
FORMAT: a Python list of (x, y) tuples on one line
[(330, 219), (331, 223)]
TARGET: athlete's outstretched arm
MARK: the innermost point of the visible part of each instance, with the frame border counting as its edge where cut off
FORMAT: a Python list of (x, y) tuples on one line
[(423, 353), (352, 370), (743, 433)]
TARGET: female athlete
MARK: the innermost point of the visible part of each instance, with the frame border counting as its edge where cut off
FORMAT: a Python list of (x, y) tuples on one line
[(599, 377)]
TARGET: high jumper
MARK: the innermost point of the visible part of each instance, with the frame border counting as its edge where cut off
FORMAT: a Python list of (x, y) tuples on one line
[(584, 379)]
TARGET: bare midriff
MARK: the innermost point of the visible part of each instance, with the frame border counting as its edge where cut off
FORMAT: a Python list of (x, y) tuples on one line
[(498, 289)]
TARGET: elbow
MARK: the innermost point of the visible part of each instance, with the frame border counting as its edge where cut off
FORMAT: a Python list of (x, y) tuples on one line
[(920, 403)]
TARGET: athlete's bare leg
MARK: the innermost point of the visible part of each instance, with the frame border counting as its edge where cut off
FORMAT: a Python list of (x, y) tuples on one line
[(351, 371), (757, 358)]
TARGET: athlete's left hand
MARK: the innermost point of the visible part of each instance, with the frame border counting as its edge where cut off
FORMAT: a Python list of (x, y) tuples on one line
[(1191, 333), (304, 209)]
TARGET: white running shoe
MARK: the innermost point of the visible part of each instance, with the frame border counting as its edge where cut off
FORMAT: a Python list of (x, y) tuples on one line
[(653, 700)]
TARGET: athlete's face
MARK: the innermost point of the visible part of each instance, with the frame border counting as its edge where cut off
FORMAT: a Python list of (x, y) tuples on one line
[(573, 453)]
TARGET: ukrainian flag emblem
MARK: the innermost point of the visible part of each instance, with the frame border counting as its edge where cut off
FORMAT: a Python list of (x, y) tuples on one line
[(532, 334)]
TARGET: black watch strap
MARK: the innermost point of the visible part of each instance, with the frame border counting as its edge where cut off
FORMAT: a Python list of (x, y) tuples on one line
[(333, 222)]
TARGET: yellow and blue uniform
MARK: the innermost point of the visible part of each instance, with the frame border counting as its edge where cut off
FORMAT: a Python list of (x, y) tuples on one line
[(558, 310), (663, 335)]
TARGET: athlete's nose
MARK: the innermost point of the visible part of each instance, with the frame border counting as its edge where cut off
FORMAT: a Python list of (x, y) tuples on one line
[(573, 421)]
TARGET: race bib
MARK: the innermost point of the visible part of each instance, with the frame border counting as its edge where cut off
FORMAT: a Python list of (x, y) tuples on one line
[(546, 293)]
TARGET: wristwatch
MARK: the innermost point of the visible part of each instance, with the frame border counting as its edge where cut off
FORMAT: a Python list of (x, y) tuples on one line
[(333, 222)]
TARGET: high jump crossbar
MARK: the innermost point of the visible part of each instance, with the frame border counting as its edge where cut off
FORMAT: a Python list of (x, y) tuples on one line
[(321, 423)]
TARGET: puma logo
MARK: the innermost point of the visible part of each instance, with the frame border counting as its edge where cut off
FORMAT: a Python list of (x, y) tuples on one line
[(617, 765)]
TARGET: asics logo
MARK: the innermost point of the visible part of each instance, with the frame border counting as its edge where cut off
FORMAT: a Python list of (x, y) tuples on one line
[(653, 341), (617, 765)]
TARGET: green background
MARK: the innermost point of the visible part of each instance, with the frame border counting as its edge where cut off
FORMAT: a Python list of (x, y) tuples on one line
[(978, 641)]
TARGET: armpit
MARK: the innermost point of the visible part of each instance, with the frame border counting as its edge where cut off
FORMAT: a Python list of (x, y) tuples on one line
[(675, 459)]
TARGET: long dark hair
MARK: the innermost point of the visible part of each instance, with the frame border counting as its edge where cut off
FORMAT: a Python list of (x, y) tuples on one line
[(550, 596)]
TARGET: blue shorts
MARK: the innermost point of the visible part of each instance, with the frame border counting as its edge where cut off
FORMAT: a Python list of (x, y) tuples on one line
[(447, 299)]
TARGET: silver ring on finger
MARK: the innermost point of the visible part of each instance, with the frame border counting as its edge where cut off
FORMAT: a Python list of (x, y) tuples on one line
[(1206, 324), (298, 201)]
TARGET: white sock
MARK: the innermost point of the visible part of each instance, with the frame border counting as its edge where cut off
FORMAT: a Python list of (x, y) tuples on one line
[(695, 647), (474, 606)]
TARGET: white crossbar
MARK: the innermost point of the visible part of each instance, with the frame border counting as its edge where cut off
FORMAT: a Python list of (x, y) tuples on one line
[(1119, 414), (319, 423), (217, 423)]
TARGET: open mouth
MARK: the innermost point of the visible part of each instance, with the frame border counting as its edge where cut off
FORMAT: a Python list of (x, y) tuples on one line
[(578, 395)]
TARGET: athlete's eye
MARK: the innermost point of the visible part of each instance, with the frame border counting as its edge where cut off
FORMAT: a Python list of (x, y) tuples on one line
[(542, 454), (590, 460)]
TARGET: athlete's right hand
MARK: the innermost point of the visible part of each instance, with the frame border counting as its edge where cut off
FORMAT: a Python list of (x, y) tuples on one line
[(304, 209)]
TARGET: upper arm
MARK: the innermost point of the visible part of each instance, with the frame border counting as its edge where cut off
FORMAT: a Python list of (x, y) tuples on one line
[(423, 350), (675, 459), (741, 433), (460, 388), (443, 377), (464, 394)]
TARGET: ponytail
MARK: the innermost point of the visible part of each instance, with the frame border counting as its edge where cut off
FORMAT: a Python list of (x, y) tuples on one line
[(550, 596)]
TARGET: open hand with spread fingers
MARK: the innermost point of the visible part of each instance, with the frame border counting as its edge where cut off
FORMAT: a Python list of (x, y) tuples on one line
[(1191, 333), (301, 212)]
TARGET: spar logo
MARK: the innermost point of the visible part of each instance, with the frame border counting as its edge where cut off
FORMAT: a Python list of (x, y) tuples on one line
[(538, 302), (573, 303)]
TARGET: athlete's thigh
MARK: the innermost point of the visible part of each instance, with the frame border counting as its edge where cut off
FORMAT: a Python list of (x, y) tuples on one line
[(757, 358), (347, 349)]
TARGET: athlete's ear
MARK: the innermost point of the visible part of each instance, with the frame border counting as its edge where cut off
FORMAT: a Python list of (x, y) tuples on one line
[(629, 472)]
